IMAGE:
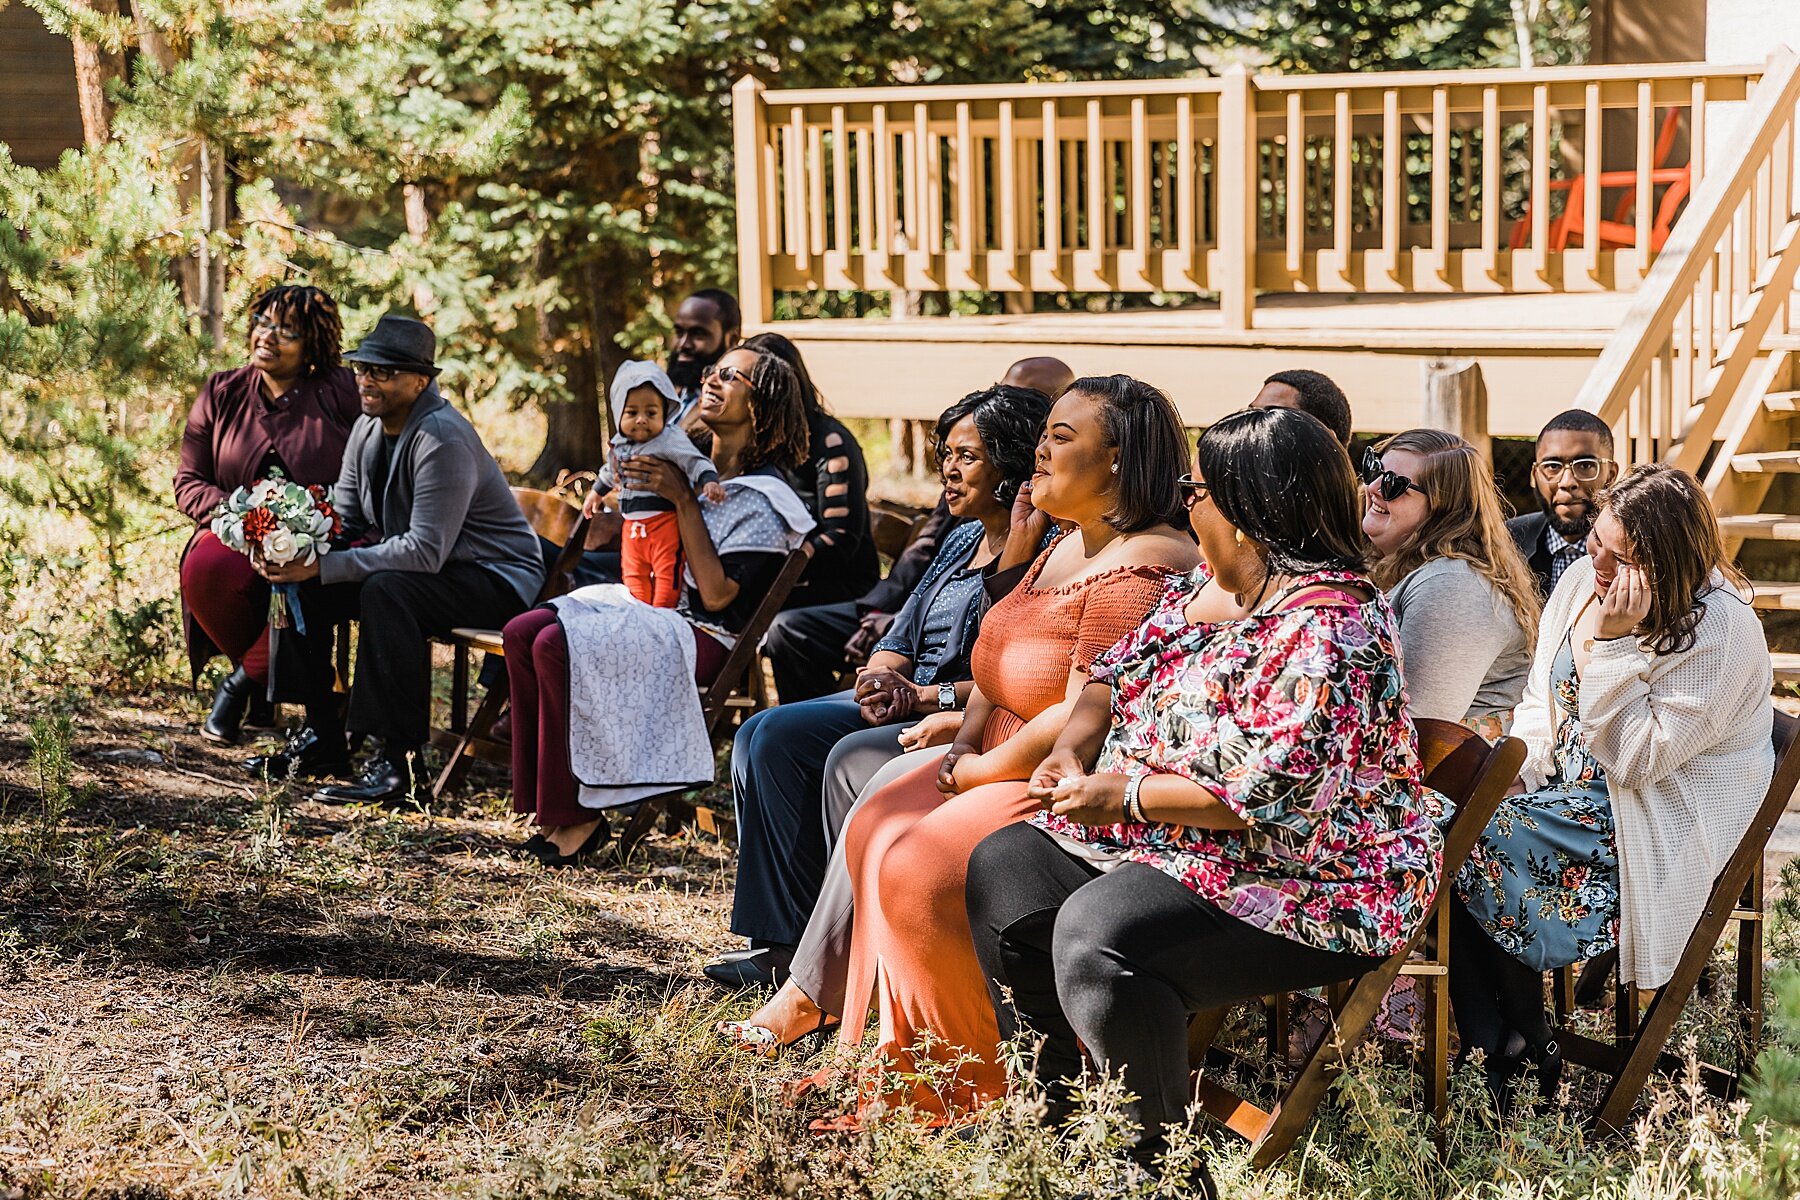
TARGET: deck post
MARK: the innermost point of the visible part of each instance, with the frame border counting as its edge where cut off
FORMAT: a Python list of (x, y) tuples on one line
[(749, 132), (1456, 401), (1237, 199)]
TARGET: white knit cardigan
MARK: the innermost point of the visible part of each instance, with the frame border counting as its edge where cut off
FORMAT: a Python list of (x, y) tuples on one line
[(1685, 741)]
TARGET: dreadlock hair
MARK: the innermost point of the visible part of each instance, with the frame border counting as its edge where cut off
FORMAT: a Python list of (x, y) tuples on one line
[(778, 435), (312, 313)]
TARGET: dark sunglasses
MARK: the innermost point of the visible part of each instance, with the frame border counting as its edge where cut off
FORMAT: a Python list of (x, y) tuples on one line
[(1193, 490), (1383, 482), (725, 374)]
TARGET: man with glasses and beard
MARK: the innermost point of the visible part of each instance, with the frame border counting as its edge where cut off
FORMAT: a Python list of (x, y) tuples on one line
[(1574, 464), (707, 324)]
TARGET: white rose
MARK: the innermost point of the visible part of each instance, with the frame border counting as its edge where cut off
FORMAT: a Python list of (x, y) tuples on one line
[(280, 546), (228, 531), (263, 494)]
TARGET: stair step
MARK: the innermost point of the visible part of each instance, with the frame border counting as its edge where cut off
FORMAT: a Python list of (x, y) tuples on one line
[(1775, 527), (1769, 461), (1782, 402), (1769, 594)]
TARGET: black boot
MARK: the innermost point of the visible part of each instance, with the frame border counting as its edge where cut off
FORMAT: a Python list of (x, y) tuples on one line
[(263, 713), (307, 755), (226, 720), (388, 778)]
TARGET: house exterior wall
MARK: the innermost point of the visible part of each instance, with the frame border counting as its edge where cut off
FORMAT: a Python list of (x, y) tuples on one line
[(1641, 31), (40, 116)]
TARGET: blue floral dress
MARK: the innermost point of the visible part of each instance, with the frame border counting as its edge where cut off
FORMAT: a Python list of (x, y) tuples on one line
[(1543, 879)]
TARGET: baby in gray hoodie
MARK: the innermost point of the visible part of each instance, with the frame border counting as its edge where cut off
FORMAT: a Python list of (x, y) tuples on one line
[(642, 399)]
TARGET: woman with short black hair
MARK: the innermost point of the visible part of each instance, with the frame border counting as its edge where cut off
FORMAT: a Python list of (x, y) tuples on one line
[(1235, 805), (782, 755)]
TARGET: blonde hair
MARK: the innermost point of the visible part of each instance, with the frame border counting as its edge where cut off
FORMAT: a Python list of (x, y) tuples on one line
[(1463, 519)]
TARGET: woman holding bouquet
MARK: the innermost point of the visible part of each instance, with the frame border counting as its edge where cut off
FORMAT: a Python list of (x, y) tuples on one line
[(290, 409)]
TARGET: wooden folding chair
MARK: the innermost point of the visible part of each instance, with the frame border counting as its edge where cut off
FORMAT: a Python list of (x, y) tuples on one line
[(469, 738), (720, 701), (1473, 776), (895, 525), (1639, 1045)]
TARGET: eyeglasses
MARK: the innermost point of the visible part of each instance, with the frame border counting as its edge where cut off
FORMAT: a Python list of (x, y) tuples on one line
[(1383, 482), (1586, 469), (1193, 491), (282, 332), (378, 374), (725, 374)]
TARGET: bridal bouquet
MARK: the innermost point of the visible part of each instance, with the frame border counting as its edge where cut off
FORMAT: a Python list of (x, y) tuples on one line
[(279, 522)]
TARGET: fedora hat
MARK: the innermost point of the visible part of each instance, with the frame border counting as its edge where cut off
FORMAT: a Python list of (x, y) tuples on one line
[(401, 343)]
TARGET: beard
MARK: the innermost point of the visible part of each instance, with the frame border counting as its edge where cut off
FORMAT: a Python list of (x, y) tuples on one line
[(1574, 532), (685, 373)]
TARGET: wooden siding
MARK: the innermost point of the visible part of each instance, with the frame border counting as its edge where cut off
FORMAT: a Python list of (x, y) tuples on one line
[(39, 114)]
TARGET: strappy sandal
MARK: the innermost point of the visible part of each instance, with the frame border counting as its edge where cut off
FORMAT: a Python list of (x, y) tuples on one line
[(761, 1040)]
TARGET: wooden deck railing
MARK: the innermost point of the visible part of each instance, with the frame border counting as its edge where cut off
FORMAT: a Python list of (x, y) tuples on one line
[(1559, 179), (1679, 363)]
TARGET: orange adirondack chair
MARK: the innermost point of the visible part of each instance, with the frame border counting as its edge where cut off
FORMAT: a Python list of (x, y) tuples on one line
[(1621, 230)]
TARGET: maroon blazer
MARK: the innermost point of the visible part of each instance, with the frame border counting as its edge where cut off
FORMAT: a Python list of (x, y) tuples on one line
[(231, 430)]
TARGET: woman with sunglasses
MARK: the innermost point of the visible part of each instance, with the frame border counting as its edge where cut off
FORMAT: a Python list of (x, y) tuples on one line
[(734, 550), (1646, 726), (1464, 600), (290, 408), (1235, 806)]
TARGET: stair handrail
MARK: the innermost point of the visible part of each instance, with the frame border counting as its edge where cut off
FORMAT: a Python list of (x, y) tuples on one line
[(1624, 367)]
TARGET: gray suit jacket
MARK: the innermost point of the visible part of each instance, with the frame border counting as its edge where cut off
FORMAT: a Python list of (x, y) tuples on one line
[(446, 502)]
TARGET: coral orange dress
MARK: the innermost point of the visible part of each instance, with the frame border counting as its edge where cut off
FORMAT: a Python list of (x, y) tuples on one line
[(908, 847)]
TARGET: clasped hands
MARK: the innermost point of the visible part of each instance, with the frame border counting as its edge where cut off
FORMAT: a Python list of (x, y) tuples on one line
[(1063, 785), (887, 695)]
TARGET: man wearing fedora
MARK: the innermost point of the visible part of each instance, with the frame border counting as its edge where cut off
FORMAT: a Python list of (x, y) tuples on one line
[(432, 540)]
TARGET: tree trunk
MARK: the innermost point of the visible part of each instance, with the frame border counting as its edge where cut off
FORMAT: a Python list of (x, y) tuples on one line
[(189, 171), (95, 67), (582, 345)]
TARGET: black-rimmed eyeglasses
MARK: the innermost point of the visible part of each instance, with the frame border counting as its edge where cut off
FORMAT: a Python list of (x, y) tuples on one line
[(1193, 490)]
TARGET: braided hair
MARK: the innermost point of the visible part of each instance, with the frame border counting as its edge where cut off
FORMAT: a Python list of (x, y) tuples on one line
[(778, 434), (312, 313)]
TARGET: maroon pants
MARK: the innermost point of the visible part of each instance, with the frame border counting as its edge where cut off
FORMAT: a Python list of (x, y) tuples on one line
[(230, 603), (537, 669)]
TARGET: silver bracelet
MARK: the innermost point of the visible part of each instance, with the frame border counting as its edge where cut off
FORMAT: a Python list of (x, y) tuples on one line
[(1134, 805)]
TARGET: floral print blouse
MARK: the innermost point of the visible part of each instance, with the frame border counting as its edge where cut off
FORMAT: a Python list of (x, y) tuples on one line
[(1296, 719)]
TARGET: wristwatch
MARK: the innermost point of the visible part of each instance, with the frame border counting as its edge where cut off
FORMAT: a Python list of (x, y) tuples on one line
[(946, 697)]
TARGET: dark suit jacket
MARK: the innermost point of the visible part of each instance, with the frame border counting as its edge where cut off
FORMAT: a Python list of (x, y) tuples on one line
[(1528, 535)]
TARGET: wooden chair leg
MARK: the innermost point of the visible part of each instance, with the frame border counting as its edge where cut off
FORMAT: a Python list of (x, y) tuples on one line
[(1203, 1029), (456, 765), (639, 825), (459, 689), (1750, 970), (1281, 1030), (1562, 993)]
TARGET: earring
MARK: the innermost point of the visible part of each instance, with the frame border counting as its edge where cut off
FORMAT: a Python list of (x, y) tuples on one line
[(1240, 537), (1000, 494), (1115, 468)]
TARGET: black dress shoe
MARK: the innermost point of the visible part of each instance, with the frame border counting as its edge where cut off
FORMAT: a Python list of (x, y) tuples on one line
[(263, 713), (307, 755), (763, 967), (230, 703), (384, 779)]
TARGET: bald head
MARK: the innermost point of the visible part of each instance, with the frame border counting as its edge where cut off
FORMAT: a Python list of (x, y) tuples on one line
[(1050, 376)]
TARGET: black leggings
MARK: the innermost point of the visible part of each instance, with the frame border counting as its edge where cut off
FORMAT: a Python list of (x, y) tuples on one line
[(1118, 961), (1493, 994)]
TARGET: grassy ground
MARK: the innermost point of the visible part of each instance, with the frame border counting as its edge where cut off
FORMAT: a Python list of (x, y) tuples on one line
[(209, 988)]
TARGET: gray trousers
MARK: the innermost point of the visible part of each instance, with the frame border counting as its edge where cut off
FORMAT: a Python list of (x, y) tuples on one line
[(860, 765)]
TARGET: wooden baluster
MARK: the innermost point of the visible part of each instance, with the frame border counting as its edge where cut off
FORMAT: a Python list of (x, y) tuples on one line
[(1588, 262), (1090, 264), (1697, 133), (1006, 169), (1054, 210), (815, 190), (1493, 185), (882, 250), (1393, 196), (1341, 181), (837, 257), (1296, 185), (865, 196), (794, 148), (1646, 162), (1439, 266), (1134, 262), (1538, 259), (1186, 167), (967, 239)]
